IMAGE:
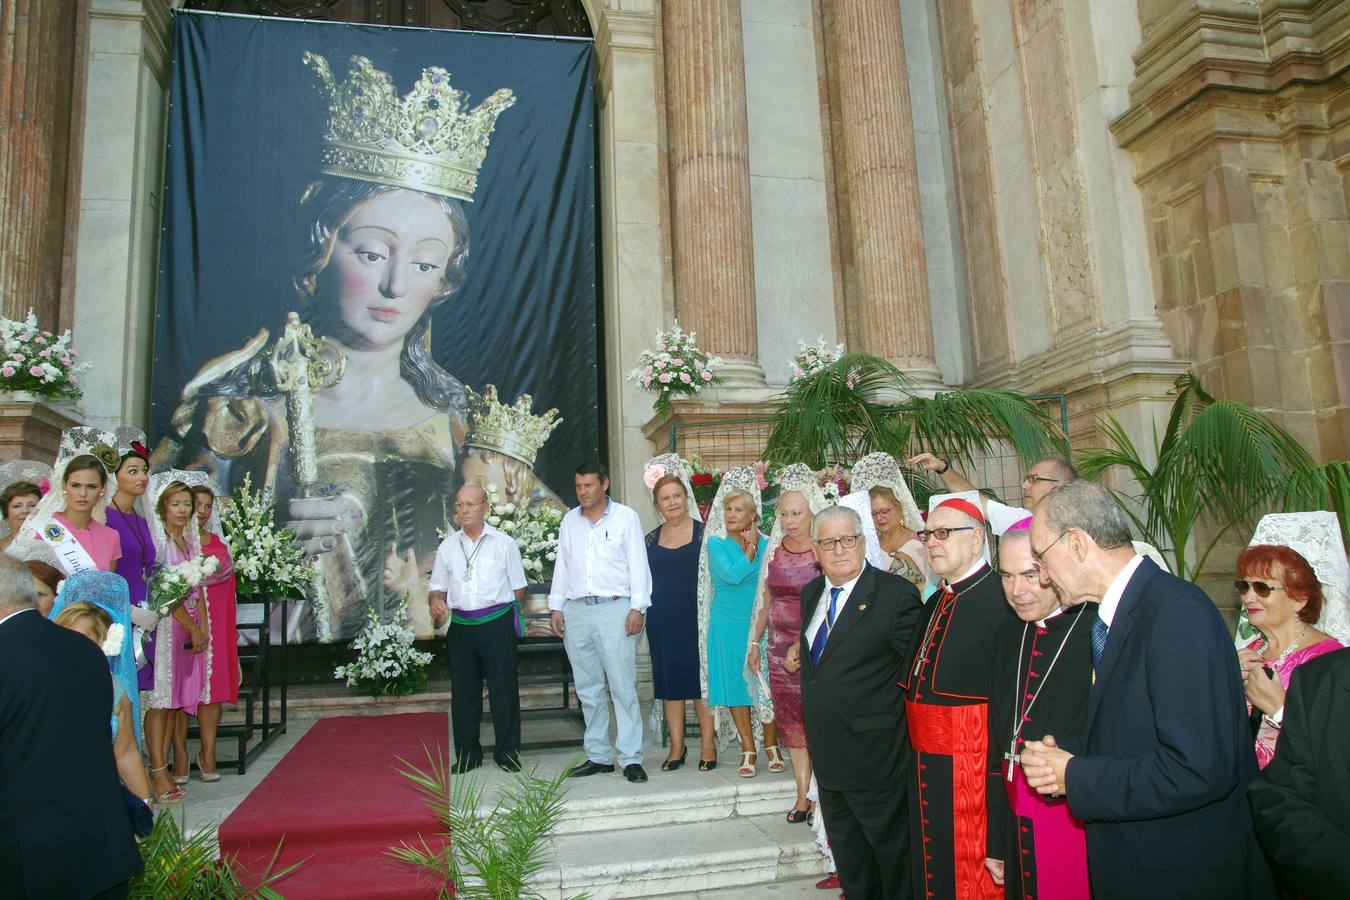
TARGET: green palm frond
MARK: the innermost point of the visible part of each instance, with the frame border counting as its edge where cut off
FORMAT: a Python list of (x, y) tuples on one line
[(1218, 461), (185, 867), (495, 852), (839, 413), (962, 424)]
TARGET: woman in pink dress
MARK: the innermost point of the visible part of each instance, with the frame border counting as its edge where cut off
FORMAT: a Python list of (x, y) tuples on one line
[(183, 638), (1283, 600), (85, 483), (220, 608), (778, 613)]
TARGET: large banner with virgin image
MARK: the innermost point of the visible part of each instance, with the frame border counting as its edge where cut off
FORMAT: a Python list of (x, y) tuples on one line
[(377, 278)]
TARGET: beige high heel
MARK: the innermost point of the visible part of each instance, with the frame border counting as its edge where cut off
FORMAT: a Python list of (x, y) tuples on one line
[(747, 769), (776, 763)]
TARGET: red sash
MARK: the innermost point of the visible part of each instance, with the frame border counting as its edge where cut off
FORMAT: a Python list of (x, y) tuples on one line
[(960, 732)]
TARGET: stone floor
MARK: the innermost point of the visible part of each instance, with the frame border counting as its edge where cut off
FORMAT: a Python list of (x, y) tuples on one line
[(682, 835)]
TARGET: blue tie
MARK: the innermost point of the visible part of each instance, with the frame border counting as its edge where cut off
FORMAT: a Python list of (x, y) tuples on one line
[(823, 632), (1099, 632)]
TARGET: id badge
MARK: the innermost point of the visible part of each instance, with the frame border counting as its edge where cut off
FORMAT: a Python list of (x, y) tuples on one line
[(470, 584)]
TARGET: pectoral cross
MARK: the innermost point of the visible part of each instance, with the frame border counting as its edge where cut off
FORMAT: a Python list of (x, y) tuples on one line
[(1012, 758)]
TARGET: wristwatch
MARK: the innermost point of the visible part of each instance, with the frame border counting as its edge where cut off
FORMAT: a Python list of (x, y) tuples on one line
[(946, 467)]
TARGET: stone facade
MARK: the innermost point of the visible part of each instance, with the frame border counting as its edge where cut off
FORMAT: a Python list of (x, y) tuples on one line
[(1077, 196)]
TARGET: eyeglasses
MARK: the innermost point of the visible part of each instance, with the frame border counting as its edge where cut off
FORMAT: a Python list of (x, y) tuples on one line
[(1039, 556), (469, 505), (1260, 587), (848, 542), (1032, 479), (941, 533)]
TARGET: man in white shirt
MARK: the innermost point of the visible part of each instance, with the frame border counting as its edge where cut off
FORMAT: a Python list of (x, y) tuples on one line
[(601, 587), (477, 578)]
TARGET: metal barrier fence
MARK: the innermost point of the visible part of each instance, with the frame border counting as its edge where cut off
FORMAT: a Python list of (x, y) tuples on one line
[(724, 443)]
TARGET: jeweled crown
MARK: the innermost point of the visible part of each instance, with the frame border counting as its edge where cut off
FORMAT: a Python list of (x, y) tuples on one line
[(513, 430), (426, 141)]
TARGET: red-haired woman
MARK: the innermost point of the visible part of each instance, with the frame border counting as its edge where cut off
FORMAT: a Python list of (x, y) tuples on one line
[(1283, 600)]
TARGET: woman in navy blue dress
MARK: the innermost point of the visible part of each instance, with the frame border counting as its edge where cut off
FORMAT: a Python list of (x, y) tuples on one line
[(672, 621)]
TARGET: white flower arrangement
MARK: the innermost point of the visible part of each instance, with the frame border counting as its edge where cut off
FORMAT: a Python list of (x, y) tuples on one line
[(811, 359), (535, 532), (386, 662), (37, 361), (171, 584), (112, 643), (268, 560), (675, 368)]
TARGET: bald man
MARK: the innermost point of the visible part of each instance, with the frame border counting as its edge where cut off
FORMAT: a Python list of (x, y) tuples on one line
[(946, 708), (477, 579)]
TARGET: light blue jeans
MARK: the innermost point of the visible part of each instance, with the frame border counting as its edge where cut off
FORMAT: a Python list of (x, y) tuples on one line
[(601, 650)]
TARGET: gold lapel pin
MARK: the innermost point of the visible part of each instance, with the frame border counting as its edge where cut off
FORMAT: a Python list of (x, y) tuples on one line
[(862, 607)]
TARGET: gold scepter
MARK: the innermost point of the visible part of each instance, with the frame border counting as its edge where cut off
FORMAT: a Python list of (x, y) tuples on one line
[(302, 364)]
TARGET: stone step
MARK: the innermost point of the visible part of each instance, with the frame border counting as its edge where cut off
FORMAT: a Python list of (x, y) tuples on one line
[(680, 858), (324, 701)]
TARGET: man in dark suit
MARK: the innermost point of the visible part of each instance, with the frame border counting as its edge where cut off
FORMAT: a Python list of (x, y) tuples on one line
[(1301, 801), (1160, 775), (858, 635), (64, 828)]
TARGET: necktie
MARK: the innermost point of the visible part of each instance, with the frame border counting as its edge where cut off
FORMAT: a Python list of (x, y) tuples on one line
[(1099, 632), (823, 632)]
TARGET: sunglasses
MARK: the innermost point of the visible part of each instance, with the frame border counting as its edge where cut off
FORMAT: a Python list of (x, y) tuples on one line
[(942, 533), (1260, 587)]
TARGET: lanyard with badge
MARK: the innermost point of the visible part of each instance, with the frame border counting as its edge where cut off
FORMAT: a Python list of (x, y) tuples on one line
[(470, 580)]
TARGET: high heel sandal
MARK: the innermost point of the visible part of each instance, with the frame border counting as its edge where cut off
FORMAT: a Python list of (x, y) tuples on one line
[(776, 763), (748, 759), (671, 765), (797, 816), (707, 765), (172, 795), (183, 779), (201, 770)]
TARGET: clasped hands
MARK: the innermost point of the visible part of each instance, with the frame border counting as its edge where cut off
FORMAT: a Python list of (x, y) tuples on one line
[(1046, 766), (1266, 693)]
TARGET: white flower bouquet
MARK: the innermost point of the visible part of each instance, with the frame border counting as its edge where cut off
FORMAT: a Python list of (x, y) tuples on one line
[(386, 661), (811, 359), (171, 584), (37, 361), (675, 368), (535, 532), (268, 560)]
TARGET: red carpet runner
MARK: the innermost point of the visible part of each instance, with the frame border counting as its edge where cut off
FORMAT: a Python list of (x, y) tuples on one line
[(339, 803)]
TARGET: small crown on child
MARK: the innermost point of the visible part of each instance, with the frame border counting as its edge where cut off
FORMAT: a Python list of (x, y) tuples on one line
[(513, 430)]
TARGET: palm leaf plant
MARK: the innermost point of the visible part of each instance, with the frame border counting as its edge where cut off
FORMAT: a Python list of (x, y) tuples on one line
[(863, 404), (1220, 463), (495, 853), (184, 867)]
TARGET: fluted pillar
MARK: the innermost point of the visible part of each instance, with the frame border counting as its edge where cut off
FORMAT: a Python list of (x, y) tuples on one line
[(885, 276), (38, 84), (709, 160)]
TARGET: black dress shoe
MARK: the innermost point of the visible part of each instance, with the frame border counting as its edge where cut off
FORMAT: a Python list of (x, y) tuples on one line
[(590, 768), (635, 773), (465, 765), (509, 763)]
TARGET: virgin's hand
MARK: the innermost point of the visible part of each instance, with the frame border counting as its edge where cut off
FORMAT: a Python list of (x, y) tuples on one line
[(752, 657), (400, 572), (319, 521)]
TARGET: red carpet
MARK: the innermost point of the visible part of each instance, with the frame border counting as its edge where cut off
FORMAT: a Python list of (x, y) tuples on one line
[(339, 804)]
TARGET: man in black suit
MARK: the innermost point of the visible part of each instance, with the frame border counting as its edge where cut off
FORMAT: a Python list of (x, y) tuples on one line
[(1160, 775), (858, 635), (65, 833), (1301, 801)]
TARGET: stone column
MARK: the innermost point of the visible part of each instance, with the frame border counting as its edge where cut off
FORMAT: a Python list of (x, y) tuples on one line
[(709, 159), (885, 276), (40, 83)]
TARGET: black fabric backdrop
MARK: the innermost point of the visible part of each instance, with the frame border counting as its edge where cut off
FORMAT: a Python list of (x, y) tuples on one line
[(242, 143)]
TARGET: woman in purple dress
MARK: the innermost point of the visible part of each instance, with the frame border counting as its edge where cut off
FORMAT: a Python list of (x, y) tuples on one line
[(778, 613), (135, 565)]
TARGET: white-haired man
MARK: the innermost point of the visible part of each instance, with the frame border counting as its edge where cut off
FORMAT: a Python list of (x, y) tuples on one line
[(858, 627)]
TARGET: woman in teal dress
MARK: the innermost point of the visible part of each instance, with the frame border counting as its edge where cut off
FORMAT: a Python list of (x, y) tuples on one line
[(733, 560)]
